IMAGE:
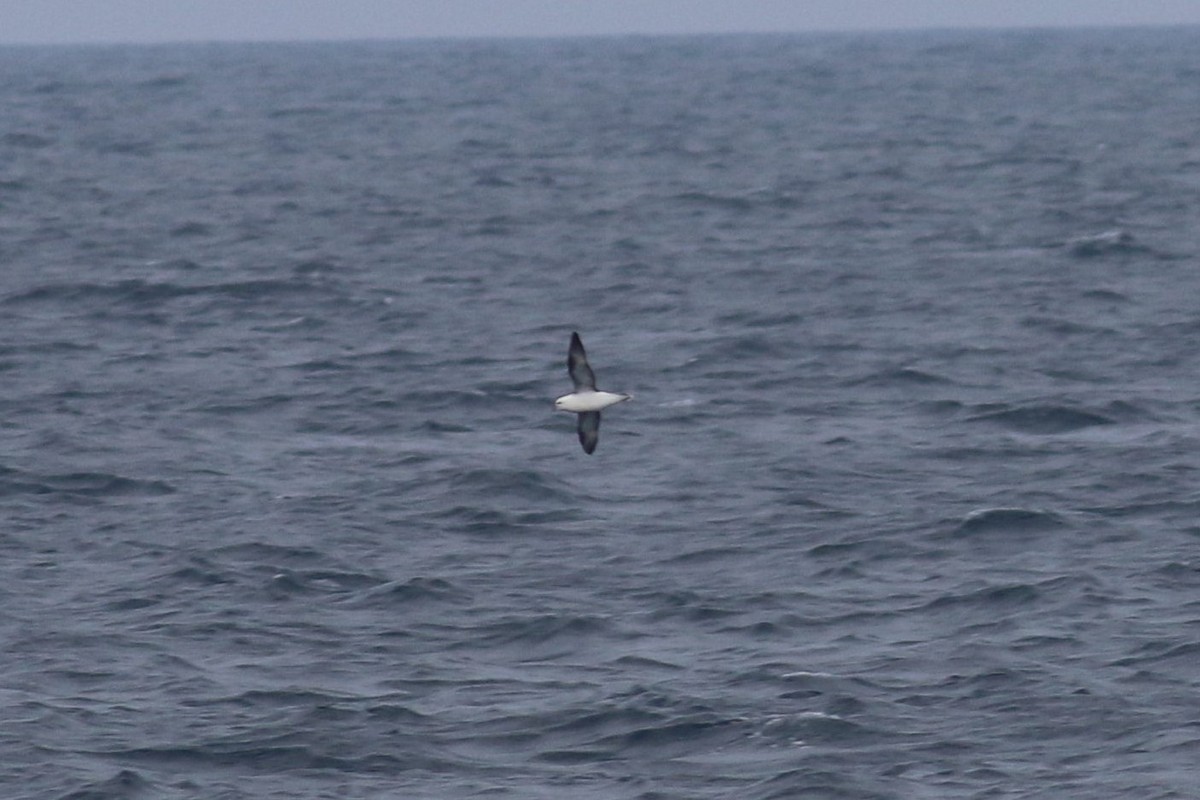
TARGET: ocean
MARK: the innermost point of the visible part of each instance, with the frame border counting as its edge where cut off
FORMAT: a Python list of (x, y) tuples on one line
[(905, 504)]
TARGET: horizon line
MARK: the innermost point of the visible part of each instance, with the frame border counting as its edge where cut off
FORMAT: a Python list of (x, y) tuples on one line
[(468, 37)]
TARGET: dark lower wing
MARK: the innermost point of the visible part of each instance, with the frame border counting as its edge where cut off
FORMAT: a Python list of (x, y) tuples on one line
[(589, 430)]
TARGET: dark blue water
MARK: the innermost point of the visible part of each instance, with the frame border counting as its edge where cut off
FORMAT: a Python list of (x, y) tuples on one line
[(906, 504)]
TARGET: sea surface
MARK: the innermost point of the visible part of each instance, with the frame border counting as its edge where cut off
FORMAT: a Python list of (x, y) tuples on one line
[(906, 504)]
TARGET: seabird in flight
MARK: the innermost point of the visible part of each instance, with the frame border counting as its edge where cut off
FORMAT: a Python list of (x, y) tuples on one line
[(585, 400)]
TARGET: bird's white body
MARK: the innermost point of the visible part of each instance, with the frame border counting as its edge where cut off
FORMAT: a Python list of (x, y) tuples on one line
[(588, 401)]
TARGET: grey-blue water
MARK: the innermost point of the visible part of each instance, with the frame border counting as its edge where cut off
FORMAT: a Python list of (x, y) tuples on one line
[(906, 505)]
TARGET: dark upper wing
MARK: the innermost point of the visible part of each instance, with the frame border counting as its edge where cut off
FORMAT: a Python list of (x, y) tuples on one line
[(589, 430), (581, 373)]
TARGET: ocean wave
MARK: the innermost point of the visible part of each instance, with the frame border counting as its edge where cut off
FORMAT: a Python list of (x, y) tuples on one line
[(141, 293), (705, 555), (1161, 652), (1108, 243), (755, 318), (1060, 326), (81, 484), (26, 140), (988, 521), (814, 728), (541, 629), (1043, 419), (410, 592), (323, 581), (687, 605), (619, 728), (125, 785), (268, 553), (508, 485), (901, 377), (728, 202), (268, 757), (989, 597), (676, 735), (821, 781)]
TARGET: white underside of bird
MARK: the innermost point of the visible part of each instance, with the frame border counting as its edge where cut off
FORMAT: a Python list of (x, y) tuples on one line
[(588, 401)]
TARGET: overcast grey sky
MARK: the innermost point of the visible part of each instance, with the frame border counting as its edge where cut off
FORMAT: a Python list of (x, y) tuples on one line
[(54, 21)]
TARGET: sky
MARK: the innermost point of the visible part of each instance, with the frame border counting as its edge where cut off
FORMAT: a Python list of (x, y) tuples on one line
[(130, 21)]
